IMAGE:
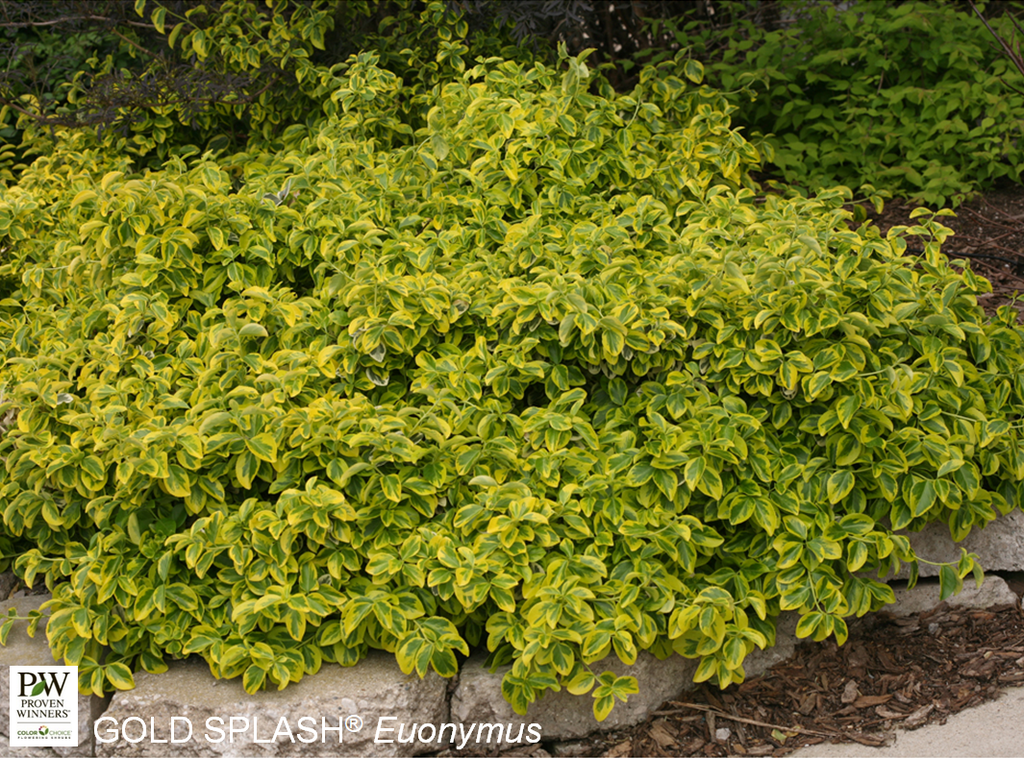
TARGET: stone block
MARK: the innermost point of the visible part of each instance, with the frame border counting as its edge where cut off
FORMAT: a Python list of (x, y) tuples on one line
[(1000, 545), (786, 641), (22, 650), (574, 749), (926, 594), (563, 716), (24, 752), (375, 688)]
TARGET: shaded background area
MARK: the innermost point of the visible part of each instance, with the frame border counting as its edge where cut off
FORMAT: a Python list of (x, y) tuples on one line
[(912, 99)]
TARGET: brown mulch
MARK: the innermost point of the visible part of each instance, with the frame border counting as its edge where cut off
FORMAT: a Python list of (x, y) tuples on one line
[(892, 672), (988, 231)]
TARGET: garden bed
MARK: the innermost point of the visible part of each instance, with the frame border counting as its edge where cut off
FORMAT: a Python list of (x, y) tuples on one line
[(893, 672)]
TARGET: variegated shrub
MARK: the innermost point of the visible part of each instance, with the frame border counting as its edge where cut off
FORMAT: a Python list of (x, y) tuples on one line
[(536, 367)]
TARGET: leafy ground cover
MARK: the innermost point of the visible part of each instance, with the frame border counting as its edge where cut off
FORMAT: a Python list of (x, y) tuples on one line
[(949, 669)]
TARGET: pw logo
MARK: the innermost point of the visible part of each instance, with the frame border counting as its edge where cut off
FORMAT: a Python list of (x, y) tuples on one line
[(35, 683), (43, 706)]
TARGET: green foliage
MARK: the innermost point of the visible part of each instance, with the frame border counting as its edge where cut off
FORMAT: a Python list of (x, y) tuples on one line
[(290, 51), (910, 97), (40, 68), (269, 47), (543, 372), (231, 74)]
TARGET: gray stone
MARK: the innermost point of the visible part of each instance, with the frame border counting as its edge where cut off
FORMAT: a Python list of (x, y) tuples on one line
[(1000, 545), (563, 716), (926, 595), (8, 581), (375, 688), (24, 752), (527, 751), (22, 650), (760, 661), (574, 749)]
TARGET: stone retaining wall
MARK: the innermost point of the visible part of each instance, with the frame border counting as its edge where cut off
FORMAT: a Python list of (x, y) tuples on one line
[(1000, 545), (376, 689)]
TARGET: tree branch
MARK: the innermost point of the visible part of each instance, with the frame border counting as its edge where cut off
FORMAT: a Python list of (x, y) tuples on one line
[(1015, 58), (137, 46), (63, 19)]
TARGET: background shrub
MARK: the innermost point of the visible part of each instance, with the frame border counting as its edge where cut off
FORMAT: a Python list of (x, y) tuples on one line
[(224, 75), (913, 98), (910, 97)]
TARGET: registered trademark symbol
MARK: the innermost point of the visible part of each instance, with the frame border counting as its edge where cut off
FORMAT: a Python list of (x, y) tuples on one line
[(353, 723)]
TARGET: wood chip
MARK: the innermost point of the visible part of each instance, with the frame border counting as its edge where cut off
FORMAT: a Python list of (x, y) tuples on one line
[(868, 701), (885, 713), (692, 747), (661, 735), (621, 750), (850, 692), (871, 740), (808, 703), (919, 716)]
